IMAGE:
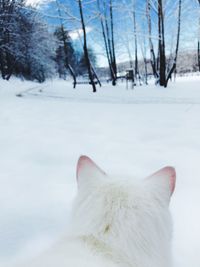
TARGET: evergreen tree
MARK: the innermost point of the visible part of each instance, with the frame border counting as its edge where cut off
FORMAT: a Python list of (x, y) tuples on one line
[(64, 51)]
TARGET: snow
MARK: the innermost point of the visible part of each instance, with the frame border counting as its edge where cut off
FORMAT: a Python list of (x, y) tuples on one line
[(133, 132)]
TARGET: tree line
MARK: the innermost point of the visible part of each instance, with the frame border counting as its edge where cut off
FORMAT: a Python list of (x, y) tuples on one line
[(28, 49), (154, 26), (31, 50)]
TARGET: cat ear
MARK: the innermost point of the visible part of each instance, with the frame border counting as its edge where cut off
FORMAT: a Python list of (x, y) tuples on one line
[(87, 170), (163, 181)]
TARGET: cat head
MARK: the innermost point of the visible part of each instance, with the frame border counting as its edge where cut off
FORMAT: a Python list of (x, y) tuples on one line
[(159, 186), (124, 212)]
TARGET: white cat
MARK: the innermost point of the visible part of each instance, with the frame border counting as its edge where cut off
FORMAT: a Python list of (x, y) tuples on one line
[(116, 222)]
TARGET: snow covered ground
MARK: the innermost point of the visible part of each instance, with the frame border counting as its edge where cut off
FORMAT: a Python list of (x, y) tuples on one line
[(135, 132)]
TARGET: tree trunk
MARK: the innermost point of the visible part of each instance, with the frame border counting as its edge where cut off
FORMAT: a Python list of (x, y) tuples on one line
[(173, 68), (107, 27), (198, 52), (2, 65), (152, 53), (161, 45), (105, 40), (95, 74), (72, 74), (85, 49), (198, 49), (67, 65), (114, 65), (136, 50)]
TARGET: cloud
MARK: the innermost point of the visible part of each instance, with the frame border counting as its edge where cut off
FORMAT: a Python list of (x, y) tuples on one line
[(76, 34), (35, 3)]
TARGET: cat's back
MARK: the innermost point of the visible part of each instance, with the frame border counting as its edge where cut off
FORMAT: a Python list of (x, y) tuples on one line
[(69, 253)]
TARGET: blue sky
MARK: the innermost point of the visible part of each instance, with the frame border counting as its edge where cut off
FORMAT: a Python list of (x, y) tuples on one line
[(124, 37)]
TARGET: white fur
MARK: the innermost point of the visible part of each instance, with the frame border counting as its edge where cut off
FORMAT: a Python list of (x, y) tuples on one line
[(115, 222)]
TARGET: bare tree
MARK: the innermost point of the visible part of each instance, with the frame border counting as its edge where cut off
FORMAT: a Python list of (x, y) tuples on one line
[(85, 48), (198, 48), (151, 46), (143, 45), (107, 27), (65, 46), (164, 74), (114, 64), (137, 74), (173, 67), (161, 45)]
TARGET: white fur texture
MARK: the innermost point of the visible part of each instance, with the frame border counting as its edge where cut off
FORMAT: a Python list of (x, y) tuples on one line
[(115, 222)]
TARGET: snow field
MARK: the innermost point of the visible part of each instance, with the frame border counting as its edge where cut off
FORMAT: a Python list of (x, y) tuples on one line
[(132, 132)]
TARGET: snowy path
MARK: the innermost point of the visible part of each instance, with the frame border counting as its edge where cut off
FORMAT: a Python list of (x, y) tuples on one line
[(130, 97), (115, 100), (43, 133)]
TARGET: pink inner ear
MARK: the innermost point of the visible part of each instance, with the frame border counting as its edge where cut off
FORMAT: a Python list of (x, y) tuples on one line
[(168, 172), (172, 179), (86, 162), (171, 173)]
